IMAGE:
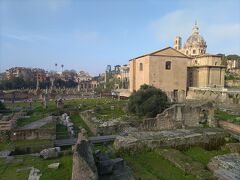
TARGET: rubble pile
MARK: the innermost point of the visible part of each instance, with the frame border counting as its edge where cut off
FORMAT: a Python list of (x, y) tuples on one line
[(66, 121), (50, 153)]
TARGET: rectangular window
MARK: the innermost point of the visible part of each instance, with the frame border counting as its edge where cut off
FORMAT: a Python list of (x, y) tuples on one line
[(168, 65)]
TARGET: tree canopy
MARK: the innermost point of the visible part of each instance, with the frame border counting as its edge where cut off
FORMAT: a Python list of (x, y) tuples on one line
[(148, 101)]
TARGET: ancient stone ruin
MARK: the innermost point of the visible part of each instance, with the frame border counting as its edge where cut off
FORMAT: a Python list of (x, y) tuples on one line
[(50, 153), (66, 121), (99, 127), (209, 138), (83, 162), (191, 114), (226, 166)]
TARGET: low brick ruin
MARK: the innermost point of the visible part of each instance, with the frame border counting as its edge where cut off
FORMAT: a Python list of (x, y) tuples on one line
[(186, 115), (34, 131), (209, 138), (99, 127)]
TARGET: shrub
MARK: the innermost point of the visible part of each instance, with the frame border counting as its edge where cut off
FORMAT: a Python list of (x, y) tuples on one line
[(148, 101)]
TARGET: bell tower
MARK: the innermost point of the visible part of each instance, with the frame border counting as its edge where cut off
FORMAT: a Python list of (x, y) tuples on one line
[(178, 43)]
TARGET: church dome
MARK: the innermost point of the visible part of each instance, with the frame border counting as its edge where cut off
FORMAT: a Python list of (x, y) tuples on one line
[(195, 40)]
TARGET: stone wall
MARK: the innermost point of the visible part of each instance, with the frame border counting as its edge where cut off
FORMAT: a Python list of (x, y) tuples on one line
[(232, 83), (217, 95), (209, 138), (98, 127), (87, 117), (181, 116), (83, 162), (31, 134)]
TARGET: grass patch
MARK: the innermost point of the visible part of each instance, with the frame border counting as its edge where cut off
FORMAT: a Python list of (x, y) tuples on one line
[(225, 116), (32, 142), (78, 122), (21, 146), (150, 165), (61, 132), (105, 112), (8, 171), (202, 155), (37, 113), (6, 146), (48, 126)]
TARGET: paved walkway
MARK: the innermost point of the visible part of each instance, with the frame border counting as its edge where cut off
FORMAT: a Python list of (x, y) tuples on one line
[(37, 124)]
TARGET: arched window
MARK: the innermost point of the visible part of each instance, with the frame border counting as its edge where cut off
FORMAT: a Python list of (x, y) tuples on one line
[(140, 67), (194, 51), (168, 65), (187, 52)]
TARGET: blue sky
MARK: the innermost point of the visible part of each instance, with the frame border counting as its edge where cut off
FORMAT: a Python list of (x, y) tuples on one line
[(90, 34)]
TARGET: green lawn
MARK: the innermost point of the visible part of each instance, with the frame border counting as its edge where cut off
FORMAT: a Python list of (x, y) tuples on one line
[(202, 155), (8, 171), (150, 165), (61, 132), (11, 145), (78, 122), (105, 112), (37, 113), (225, 116)]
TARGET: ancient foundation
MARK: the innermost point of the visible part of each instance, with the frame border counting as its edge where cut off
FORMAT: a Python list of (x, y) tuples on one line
[(102, 128), (192, 114), (209, 138)]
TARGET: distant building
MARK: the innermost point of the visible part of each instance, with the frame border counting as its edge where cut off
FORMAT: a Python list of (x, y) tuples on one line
[(83, 76), (233, 64), (175, 70), (22, 72), (39, 74), (165, 69), (204, 70), (123, 75), (194, 46)]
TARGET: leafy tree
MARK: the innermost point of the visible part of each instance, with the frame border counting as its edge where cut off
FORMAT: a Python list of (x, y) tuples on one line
[(148, 101)]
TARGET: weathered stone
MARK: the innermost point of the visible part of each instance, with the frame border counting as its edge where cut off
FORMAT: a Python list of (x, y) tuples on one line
[(179, 138), (191, 114), (83, 162), (34, 174), (226, 167), (54, 165), (233, 147), (4, 153), (50, 153)]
